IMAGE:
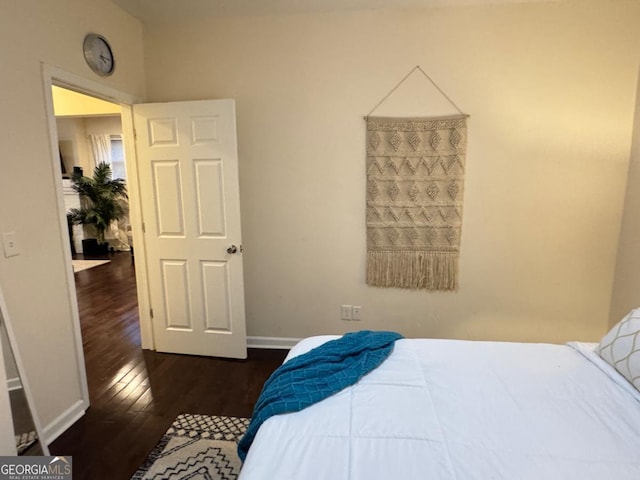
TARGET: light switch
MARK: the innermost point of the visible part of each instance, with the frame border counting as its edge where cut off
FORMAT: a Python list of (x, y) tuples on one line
[(10, 244)]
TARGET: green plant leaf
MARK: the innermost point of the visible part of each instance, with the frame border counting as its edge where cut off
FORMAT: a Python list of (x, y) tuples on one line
[(103, 199)]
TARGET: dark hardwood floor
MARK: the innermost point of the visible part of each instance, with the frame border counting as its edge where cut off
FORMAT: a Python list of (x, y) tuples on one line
[(136, 394)]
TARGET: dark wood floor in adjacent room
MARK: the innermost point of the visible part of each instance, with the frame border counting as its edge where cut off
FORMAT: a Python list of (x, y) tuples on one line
[(136, 394)]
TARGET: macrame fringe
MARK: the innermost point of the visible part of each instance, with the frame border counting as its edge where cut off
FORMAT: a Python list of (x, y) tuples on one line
[(411, 269)]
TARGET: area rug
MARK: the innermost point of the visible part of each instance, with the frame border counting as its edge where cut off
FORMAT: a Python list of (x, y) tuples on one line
[(80, 265), (25, 440), (196, 446)]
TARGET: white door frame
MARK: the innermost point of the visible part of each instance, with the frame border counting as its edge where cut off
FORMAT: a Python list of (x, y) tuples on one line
[(55, 76)]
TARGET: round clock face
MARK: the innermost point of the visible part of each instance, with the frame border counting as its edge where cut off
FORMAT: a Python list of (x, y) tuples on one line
[(98, 54)]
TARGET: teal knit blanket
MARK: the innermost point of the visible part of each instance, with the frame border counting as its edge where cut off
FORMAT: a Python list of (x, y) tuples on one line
[(318, 374)]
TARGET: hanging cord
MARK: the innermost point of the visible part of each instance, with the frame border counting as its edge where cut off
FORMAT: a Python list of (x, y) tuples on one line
[(417, 67)]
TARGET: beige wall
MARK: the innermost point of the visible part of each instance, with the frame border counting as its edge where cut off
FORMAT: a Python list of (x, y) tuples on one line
[(550, 90), (73, 135), (35, 282), (103, 125), (72, 140), (626, 287), (69, 103)]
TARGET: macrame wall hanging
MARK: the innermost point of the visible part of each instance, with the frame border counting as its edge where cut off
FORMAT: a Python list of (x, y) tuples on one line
[(415, 184)]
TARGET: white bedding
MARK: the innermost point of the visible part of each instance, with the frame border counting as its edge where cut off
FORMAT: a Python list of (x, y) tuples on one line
[(458, 410)]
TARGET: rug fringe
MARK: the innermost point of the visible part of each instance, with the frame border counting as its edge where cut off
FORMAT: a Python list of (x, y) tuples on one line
[(412, 269)]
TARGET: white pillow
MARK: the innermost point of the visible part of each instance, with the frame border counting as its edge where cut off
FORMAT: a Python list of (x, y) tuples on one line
[(621, 347)]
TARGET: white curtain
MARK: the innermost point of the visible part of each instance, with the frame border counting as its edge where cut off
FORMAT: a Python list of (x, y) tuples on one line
[(101, 148)]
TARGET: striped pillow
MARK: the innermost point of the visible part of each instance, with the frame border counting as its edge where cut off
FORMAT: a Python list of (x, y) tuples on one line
[(621, 347)]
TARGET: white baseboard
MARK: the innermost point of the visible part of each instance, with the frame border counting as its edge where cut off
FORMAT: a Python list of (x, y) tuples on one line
[(14, 384), (64, 421), (280, 343)]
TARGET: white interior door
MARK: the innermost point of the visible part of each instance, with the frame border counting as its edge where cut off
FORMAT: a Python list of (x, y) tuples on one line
[(188, 170)]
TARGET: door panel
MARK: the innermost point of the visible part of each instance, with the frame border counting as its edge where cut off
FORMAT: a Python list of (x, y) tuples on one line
[(188, 170), (176, 294), (215, 278), (210, 198), (167, 194)]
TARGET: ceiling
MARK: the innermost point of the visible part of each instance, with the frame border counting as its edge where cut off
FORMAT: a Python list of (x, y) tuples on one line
[(67, 103), (159, 11)]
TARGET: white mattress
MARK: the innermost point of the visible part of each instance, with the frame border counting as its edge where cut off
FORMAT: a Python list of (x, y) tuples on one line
[(457, 410)]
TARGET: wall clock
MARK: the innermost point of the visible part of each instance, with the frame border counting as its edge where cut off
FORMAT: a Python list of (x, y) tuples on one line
[(98, 54)]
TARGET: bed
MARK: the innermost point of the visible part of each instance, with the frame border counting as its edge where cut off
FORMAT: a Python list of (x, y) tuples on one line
[(454, 410)]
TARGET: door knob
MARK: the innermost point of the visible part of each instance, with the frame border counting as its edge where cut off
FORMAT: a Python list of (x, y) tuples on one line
[(232, 249)]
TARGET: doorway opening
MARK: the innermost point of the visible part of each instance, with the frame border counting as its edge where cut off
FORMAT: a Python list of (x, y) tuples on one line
[(186, 182), (90, 134)]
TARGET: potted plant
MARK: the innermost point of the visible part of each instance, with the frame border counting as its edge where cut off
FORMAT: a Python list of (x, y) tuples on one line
[(103, 200)]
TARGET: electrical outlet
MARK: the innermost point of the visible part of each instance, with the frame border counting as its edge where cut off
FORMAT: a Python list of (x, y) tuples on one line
[(10, 244), (356, 311), (346, 312)]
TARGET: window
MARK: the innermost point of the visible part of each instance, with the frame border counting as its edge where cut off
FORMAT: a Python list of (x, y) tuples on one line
[(117, 157)]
